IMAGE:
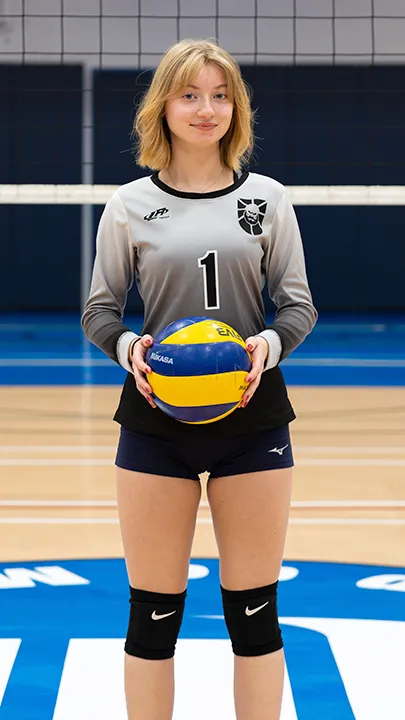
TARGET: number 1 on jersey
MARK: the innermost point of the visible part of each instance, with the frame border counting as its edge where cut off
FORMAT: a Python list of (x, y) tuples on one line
[(209, 265)]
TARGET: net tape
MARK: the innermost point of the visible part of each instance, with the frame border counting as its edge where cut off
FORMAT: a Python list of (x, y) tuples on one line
[(299, 194)]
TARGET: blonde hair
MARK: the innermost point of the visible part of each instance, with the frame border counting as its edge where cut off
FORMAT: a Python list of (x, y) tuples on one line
[(179, 66)]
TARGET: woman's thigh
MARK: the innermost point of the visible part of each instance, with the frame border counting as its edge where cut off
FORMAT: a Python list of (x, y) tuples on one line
[(250, 516), (157, 518)]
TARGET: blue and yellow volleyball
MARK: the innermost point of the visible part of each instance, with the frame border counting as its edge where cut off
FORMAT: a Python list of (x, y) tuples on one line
[(199, 367)]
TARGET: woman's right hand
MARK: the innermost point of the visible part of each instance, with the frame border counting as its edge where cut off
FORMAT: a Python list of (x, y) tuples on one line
[(140, 368)]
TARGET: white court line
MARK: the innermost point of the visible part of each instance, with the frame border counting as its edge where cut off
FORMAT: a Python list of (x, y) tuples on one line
[(292, 362), (372, 327), (59, 503), (56, 462), (322, 449), (58, 448), (92, 682), (346, 449), (200, 521), (58, 521), (348, 462), (106, 462), (56, 362), (204, 503), (8, 653), (347, 521), (369, 656), (347, 503), (343, 362)]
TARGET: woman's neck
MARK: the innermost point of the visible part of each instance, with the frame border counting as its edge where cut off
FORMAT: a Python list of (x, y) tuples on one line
[(197, 171)]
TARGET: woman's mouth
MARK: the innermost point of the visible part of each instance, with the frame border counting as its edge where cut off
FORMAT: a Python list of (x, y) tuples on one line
[(205, 126)]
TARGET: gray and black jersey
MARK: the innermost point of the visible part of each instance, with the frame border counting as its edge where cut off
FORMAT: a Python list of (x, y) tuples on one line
[(194, 254)]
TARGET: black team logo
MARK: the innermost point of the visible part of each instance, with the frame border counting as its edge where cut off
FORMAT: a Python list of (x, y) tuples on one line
[(251, 215)]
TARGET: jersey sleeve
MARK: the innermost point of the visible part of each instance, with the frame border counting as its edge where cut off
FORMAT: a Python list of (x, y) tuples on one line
[(287, 283), (113, 274)]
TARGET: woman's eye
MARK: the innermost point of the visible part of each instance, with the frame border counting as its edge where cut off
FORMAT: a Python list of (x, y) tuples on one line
[(188, 96), (220, 96)]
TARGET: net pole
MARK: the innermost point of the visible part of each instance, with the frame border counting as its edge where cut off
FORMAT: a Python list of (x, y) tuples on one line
[(86, 247), (86, 234)]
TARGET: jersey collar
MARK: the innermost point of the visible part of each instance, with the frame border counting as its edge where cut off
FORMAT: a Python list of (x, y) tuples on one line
[(238, 181)]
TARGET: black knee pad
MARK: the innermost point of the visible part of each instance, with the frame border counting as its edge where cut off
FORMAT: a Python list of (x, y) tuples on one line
[(154, 624), (252, 620)]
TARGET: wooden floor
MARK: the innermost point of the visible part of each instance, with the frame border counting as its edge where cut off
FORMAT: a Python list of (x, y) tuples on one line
[(57, 477)]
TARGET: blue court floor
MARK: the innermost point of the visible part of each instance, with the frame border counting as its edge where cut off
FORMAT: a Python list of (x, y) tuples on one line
[(341, 350), (343, 626), (62, 622)]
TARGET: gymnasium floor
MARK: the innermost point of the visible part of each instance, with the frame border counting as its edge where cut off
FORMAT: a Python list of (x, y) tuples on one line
[(63, 588)]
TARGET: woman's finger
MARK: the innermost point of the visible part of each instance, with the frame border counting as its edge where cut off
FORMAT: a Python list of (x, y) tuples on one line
[(147, 396), (141, 382), (143, 386), (254, 371), (139, 352), (258, 351), (141, 366), (248, 394)]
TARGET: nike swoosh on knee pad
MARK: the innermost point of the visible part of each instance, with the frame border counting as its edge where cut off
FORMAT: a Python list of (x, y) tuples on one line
[(160, 617), (255, 610)]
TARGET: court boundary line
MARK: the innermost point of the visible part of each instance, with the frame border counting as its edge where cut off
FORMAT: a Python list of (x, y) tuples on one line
[(323, 449), (105, 462), (307, 504), (200, 521), (292, 362)]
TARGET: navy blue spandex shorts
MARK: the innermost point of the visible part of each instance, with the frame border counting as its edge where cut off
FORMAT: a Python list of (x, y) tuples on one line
[(220, 456)]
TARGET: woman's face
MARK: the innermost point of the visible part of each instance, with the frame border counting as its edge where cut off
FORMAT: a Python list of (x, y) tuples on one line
[(201, 113)]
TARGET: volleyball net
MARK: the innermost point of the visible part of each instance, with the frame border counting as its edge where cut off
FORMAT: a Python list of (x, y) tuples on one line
[(134, 33), (344, 195), (328, 86)]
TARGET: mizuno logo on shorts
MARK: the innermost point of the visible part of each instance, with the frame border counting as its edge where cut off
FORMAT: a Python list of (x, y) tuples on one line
[(160, 617), (255, 610), (279, 450)]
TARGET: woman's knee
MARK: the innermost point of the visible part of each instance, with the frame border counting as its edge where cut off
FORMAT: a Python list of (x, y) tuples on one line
[(154, 624), (251, 617)]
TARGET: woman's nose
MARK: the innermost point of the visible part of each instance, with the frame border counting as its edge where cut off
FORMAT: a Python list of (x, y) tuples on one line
[(206, 109)]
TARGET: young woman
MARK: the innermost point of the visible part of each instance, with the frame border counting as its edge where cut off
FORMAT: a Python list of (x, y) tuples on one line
[(194, 130)]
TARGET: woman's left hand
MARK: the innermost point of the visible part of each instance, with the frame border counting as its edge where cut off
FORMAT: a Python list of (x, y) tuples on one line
[(259, 350)]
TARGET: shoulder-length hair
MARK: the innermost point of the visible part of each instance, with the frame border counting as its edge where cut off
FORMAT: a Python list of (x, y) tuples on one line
[(179, 66)]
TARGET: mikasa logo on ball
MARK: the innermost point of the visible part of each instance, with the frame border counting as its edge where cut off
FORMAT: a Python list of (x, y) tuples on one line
[(161, 358)]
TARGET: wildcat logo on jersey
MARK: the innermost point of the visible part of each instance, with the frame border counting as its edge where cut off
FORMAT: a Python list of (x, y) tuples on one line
[(159, 214), (251, 215)]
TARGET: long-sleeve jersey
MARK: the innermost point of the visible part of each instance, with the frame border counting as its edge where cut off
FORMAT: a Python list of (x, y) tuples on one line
[(194, 254)]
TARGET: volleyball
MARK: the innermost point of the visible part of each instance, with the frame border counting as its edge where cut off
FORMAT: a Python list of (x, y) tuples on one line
[(199, 367)]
